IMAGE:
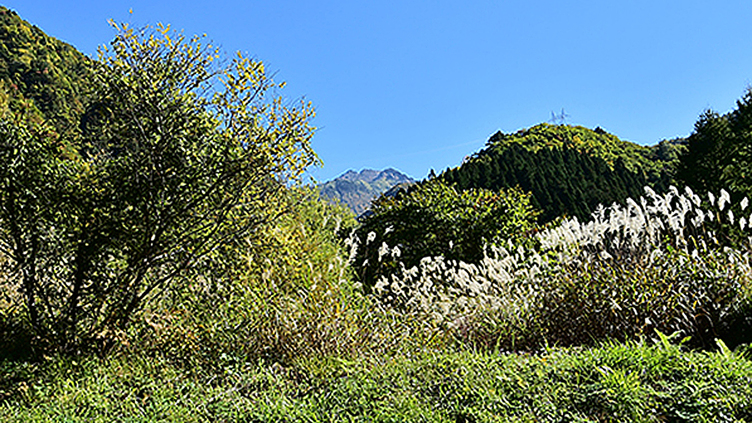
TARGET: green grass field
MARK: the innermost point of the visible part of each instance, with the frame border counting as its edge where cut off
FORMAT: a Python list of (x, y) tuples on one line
[(648, 381)]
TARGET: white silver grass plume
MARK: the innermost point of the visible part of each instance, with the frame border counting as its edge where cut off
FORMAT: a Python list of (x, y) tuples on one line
[(508, 278), (638, 225)]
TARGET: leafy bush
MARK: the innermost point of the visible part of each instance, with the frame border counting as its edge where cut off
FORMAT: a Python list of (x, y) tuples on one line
[(435, 219), (287, 297)]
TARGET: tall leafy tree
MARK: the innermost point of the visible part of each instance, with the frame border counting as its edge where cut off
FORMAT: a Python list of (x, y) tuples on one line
[(719, 151), (709, 151), (738, 173), (178, 156)]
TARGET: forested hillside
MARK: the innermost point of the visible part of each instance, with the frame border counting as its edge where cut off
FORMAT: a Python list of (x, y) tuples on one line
[(39, 74), (569, 170), (595, 142), (562, 180)]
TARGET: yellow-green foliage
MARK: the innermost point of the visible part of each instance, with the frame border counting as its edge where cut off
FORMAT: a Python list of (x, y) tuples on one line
[(297, 249), (177, 158), (288, 297), (40, 74), (595, 142)]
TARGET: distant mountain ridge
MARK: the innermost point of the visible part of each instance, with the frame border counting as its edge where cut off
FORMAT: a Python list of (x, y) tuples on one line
[(358, 189)]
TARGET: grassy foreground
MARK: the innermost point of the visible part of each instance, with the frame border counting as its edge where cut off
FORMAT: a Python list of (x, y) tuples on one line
[(637, 381)]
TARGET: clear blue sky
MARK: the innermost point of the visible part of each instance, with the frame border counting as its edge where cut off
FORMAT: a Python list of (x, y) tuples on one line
[(417, 85)]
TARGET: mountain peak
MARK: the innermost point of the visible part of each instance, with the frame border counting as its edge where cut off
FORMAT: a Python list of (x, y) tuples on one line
[(371, 175), (358, 189)]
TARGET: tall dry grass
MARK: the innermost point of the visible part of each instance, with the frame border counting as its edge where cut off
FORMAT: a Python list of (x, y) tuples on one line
[(662, 262)]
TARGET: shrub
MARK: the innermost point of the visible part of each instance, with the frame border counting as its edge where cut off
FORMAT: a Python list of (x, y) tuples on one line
[(289, 296), (435, 219)]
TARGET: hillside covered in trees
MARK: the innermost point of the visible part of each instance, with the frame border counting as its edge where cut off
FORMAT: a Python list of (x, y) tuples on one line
[(569, 170), (595, 142), (40, 75)]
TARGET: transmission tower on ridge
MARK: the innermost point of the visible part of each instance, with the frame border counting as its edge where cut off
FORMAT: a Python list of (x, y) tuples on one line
[(559, 119)]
